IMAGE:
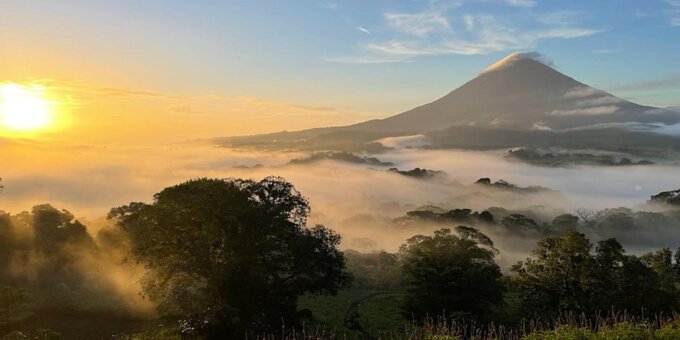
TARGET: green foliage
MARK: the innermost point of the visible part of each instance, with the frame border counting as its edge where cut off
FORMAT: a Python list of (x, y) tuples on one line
[(54, 232), (562, 333), (628, 331), (231, 255), (40, 334), (52, 261), (437, 215), (521, 223), (12, 301), (451, 274), (47, 334), (670, 331), (442, 337), (374, 271), (377, 312), (162, 333), (618, 331), (15, 335), (564, 222), (565, 276)]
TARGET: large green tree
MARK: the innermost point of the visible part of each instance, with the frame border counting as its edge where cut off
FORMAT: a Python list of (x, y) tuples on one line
[(231, 255), (451, 274), (560, 275)]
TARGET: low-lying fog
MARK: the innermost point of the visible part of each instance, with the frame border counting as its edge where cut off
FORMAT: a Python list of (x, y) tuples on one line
[(357, 200)]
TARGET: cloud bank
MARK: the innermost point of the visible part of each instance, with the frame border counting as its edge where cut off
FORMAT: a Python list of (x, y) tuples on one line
[(88, 181)]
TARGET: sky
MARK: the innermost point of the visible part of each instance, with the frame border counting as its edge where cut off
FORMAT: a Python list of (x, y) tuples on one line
[(134, 72)]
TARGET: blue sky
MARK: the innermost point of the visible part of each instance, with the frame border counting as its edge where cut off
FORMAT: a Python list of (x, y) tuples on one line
[(366, 56)]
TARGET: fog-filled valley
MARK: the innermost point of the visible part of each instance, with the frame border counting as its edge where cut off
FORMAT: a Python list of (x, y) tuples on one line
[(358, 198), (322, 169), (77, 260)]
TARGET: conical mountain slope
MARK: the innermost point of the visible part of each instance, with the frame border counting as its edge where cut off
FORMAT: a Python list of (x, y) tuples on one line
[(520, 92)]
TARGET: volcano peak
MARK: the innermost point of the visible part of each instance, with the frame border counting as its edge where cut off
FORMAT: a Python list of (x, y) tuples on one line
[(513, 58)]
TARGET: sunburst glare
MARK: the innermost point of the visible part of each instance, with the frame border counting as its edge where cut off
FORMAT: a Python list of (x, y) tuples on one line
[(24, 107)]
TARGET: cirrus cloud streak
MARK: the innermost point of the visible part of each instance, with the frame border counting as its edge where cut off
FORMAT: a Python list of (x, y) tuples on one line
[(448, 30)]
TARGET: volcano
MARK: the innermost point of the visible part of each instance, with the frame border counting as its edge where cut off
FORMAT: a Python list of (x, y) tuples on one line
[(522, 92), (520, 100)]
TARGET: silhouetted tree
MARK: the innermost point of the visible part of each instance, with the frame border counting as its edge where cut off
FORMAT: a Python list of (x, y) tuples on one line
[(55, 232), (521, 223), (232, 255), (588, 216), (451, 274), (667, 267), (377, 270), (564, 222), (6, 245), (671, 198), (12, 301)]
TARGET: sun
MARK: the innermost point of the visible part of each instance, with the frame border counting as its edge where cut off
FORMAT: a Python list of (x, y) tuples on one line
[(24, 107)]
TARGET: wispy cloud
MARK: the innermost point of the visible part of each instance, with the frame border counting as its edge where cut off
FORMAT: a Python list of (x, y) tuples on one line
[(560, 18), (85, 92), (606, 51), (367, 59), (674, 12), (522, 3), (590, 111), (118, 92), (445, 28), (581, 92), (541, 126), (672, 81), (330, 5), (489, 35), (419, 24), (362, 29), (267, 104)]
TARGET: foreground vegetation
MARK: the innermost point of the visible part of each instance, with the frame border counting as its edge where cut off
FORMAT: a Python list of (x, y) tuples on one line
[(235, 259), (610, 328)]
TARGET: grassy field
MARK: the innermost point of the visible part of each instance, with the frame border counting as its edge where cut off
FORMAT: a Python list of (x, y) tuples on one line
[(376, 312)]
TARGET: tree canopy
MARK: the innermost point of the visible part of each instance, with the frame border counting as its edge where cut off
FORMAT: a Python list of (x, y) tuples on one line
[(453, 275), (232, 254), (566, 276)]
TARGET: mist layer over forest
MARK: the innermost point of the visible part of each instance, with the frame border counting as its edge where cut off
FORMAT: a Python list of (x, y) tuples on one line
[(77, 261), (358, 199)]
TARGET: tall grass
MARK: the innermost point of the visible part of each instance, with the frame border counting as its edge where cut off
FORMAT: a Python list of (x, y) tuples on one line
[(611, 325)]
